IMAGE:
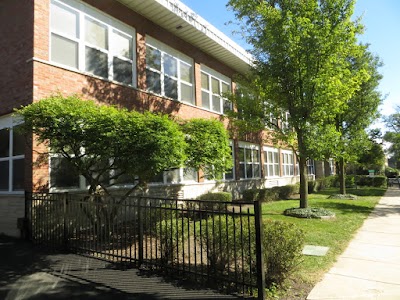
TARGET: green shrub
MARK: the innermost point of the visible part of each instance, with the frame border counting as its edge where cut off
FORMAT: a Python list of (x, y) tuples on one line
[(391, 172), (250, 195), (171, 233), (327, 182), (314, 186), (283, 244), (286, 191), (212, 201), (308, 213), (376, 181), (152, 215)]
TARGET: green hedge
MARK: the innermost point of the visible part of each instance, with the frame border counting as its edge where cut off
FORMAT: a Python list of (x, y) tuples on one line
[(271, 194), (376, 181), (214, 200)]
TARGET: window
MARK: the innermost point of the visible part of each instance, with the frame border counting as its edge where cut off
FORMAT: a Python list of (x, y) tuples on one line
[(12, 156), (88, 41), (271, 162), (310, 167), (285, 121), (287, 163), (230, 175), (249, 159), (168, 72), (213, 87)]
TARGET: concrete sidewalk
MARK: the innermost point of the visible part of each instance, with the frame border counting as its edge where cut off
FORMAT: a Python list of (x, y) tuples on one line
[(29, 273), (370, 266)]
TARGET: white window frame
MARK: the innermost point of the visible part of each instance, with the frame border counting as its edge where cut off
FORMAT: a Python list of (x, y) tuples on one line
[(222, 79), (9, 122), (287, 163), (310, 167), (285, 121), (113, 25), (180, 59), (243, 164), (273, 164)]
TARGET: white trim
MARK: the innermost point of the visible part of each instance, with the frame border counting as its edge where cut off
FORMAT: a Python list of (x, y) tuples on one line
[(267, 164)]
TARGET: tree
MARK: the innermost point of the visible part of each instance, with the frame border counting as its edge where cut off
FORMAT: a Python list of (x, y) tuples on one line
[(106, 145), (359, 113), (393, 135), (301, 51)]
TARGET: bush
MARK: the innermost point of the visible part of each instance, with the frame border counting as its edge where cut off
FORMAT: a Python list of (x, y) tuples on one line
[(286, 191), (283, 244), (170, 234), (376, 181), (153, 215), (264, 195), (250, 195), (308, 213), (327, 182), (313, 186), (391, 172), (214, 201)]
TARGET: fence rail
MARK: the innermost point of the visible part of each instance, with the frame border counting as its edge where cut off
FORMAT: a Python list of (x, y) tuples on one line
[(213, 243)]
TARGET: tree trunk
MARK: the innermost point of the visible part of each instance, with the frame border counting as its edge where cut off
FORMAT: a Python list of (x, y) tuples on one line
[(342, 177), (303, 182)]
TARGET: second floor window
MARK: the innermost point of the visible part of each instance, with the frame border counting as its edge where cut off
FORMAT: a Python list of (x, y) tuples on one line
[(168, 72), (213, 87), (84, 39)]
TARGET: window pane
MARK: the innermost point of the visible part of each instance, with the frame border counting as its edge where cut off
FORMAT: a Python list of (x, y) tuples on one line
[(122, 70), (153, 82), (276, 157), (276, 170), (270, 159), (205, 99), (242, 173), (229, 176), (64, 20), (4, 177), (186, 93), (62, 174), (248, 155), (189, 174), (215, 86), (241, 154), (64, 51), (96, 33), (256, 156), (225, 88), (216, 103), (256, 170), (122, 45), (18, 175), (171, 88), (96, 62), (227, 105), (4, 142), (249, 171), (204, 81), (153, 58), (186, 72), (271, 170), (170, 66), (18, 142), (172, 176)]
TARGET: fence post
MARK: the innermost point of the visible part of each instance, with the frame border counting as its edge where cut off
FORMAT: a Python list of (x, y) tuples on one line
[(140, 221), (259, 250), (65, 223), (27, 217)]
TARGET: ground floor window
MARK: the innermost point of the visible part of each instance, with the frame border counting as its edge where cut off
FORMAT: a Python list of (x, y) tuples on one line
[(271, 162), (249, 160), (287, 163), (12, 156), (310, 167)]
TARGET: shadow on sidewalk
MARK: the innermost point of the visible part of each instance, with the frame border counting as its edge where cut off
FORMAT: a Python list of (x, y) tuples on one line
[(27, 272)]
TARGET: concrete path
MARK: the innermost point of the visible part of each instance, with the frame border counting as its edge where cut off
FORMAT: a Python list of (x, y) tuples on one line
[(27, 273), (370, 266)]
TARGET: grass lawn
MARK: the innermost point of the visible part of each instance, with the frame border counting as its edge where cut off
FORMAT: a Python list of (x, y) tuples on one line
[(334, 233)]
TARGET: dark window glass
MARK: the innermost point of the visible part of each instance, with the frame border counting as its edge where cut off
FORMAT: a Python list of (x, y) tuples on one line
[(96, 62), (18, 142), (4, 177), (63, 175), (171, 88), (18, 175), (4, 142), (153, 58), (153, 82), (122, 70)]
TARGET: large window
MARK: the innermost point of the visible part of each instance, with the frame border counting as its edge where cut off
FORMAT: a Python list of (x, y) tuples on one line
[(168, 72), (271, 162), (287, 163), (310, 167), (213, 87), (86, 40), (12, 156), (249, 159)]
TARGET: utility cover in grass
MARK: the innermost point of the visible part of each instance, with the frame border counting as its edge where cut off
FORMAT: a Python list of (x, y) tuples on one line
[(315, 250), (309, 213)]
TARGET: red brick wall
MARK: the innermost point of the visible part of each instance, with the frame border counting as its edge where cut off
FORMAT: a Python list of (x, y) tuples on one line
[(16, 29)]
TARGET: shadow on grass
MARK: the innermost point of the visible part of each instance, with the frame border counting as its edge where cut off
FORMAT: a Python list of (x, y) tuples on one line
[(345, 207)]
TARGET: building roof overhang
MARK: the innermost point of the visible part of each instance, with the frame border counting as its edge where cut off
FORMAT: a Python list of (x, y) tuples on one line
[(183, 22)]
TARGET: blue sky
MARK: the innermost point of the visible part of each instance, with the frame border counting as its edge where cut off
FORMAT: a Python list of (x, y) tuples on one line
[(381, 19)]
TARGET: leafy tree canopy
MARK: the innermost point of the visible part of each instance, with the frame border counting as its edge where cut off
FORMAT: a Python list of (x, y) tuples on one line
[(107, 145), (393, 135)]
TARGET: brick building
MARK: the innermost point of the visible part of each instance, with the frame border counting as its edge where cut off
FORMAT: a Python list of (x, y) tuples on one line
[(153, 55)]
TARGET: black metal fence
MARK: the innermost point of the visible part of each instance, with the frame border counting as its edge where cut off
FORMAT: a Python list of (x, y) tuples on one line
[(212, 243)]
